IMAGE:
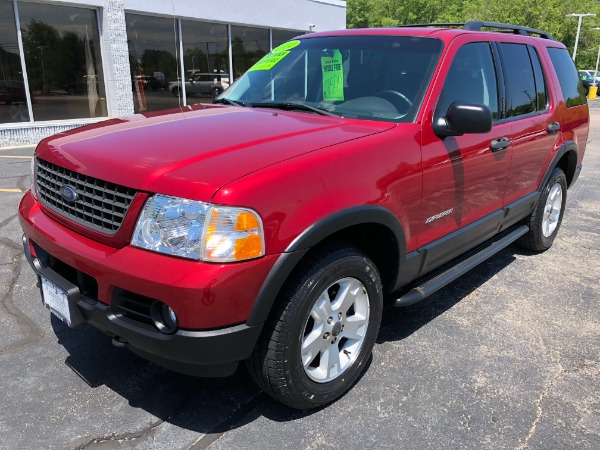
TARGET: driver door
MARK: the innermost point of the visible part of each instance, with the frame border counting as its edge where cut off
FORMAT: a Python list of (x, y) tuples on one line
[(463, 176)]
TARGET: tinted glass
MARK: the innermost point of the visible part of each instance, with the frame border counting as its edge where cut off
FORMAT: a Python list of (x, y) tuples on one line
[(64, 66), (248, 46), (365, 77), (205, 59), (471, 79), (520, 90), (281, 36), (153, 61), (13, 101), (540, 82), (570, 85)]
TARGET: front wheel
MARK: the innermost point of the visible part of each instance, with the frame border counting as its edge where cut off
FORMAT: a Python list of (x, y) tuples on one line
[(322, 331), (547, 216)]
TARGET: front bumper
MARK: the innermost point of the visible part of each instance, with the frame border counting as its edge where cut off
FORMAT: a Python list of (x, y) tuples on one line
[(212, 301)]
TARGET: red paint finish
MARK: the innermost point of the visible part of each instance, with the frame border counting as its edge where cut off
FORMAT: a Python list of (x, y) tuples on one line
[(294, 169), (383, 169), (194, 151), (202, 295)]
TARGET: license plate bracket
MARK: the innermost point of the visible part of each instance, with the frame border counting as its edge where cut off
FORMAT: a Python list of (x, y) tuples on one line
[(56, 300)]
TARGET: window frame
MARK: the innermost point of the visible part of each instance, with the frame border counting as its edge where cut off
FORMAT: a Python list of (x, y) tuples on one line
[(500, 89), (506, 88)]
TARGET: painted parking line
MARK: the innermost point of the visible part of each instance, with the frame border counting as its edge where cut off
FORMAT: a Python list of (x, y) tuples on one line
[(17, 157), (10, 190), (16, 147)]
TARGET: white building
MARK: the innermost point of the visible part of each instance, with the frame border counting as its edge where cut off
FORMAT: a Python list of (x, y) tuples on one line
[(67, 63)]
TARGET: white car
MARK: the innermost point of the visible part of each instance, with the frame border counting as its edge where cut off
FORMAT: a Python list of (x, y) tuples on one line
[(212, 84)]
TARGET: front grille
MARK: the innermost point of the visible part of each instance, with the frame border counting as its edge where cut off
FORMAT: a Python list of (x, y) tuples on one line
[(101, 205)]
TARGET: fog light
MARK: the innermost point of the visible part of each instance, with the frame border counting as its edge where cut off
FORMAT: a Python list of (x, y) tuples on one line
[(164, 317), (169, 316)]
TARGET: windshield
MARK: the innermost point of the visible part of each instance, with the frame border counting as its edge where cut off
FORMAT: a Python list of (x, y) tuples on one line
[(365, 77)]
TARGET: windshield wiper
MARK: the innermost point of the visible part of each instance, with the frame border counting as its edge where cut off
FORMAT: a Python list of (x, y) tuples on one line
[(226, 101), (289, 106)]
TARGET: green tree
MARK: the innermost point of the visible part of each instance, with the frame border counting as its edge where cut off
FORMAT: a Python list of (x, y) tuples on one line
[(547, 15)]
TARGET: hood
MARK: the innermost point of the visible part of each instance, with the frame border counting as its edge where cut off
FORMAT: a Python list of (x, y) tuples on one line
[(191, 152)]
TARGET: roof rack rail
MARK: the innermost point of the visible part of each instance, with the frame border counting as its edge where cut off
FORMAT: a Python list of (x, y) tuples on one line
[(476, 25)]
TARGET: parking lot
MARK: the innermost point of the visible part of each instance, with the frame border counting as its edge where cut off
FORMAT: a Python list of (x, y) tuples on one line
[(508, 357)]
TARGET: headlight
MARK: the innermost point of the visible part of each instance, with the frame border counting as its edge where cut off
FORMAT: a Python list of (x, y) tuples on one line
[(198, 230)]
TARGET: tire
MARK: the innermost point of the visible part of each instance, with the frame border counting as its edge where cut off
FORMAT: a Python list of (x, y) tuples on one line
[(334, 301), (215, 92), (176, 91), (547, 216)]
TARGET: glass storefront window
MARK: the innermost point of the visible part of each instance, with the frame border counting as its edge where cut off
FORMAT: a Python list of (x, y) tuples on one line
[(63, 58), (64, 77), (205, 59), (13, 101), (248, 46), (281, 36), (153, 49)]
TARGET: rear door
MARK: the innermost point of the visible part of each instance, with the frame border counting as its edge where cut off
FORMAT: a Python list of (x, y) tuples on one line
[(534, 119)]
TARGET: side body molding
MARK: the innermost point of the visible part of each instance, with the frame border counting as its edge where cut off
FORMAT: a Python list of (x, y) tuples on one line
[(316, 233)]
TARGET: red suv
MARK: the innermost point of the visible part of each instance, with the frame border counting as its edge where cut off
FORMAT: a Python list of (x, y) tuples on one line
[(343, 169)]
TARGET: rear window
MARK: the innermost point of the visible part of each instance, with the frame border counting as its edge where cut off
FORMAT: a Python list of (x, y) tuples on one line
[(572, 89)]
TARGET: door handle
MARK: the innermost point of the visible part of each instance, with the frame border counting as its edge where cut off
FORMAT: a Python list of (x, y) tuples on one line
[(500, 144), (553, 127)]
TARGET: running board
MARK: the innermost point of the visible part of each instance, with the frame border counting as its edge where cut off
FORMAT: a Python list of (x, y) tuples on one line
[(431, 285)]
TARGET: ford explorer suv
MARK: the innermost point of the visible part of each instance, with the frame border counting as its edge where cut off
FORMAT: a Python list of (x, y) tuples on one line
[(344, 170)]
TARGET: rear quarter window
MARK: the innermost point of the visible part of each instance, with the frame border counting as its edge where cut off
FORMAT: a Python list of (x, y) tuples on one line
[(572, 89)]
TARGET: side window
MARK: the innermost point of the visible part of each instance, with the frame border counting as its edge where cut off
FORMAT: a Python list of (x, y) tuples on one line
[(570, 85), (540, 82), (471, 79), (520, 81)]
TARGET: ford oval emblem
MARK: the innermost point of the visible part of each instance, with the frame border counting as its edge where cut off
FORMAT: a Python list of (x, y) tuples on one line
[(68, 194)]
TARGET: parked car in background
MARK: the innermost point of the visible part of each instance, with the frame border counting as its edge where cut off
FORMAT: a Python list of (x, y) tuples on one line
[(591, 73), (212, 84), (587, 80), (149, 83), (12, 91)]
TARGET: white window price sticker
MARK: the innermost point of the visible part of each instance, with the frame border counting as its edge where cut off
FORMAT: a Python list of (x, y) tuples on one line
[(56, 300)]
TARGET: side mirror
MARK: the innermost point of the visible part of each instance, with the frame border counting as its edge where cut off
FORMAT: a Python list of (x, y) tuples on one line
[(463, 118)]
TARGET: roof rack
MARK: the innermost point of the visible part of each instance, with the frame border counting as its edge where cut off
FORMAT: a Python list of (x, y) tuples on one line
[(476, 25)]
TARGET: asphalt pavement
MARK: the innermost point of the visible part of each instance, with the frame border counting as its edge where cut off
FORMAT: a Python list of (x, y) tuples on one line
[(507, 357)]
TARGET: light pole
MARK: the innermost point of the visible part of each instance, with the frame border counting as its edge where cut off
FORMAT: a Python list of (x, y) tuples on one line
[(581, 16), (597, 60)]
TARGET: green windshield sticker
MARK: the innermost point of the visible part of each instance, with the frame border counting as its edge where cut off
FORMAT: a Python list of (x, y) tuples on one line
[(333, 76), (287, 46), (268, 61)]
